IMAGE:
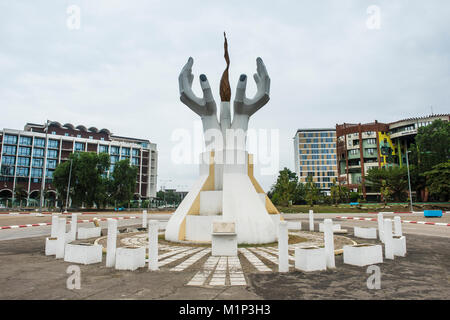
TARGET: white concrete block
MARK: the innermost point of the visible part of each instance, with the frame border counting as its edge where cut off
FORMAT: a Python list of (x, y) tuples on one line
[(294, 225), (84, 253), (365, 233), (311, 220), (73, 227), (310, 259), (224, 244), (399, 246), (283, 247), (111, 243), (50, 246), (86, 233), (336, 227), (397, 226), (388, 243), (380, 226), (153, 226), (363, 254), (130, 258), (61, 238), (328, 237), (54, 228), (144, 219)]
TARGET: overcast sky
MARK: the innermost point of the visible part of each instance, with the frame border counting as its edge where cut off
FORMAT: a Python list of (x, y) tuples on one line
[(119, 70)]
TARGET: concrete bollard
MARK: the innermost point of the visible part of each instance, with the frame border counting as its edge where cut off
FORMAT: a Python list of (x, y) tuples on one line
[(54, 230), (397, 226), (73, 226), (329, 242), (380, 227), (111, 243), (311, 220), (153, 226), (388, 241), (144, 219), (283, 255), (61, 235)]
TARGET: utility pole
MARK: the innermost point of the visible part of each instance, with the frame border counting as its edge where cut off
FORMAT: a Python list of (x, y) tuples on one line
[(409, 181)]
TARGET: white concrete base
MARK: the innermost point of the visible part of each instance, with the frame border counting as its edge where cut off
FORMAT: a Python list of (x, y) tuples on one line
[(70, 236), (294, 226), (336, 227), (399, 245), (363, 254), (211, 203), (86, 233), (199, 228), (130, 258), (224, 244), (85, 253), (50, 246), (310, 259), (365, 233)]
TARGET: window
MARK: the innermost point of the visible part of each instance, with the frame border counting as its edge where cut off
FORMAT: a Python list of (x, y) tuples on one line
[(371, 141), (135, 152), (39, 142), (8, 170), (9, 150), (53, 132), (114, 150), (51, 164), (24, 151), (66, 134), (103, 139), (52, 154), (125, 151), (38, 162), (111, 168), (38, 152), (49, 173), (354, 152), (26, 141), (36, 173), (7, 160), (10, 139), (21, 161), (22, 172), (79, 146), (53, 144), (371, 151), (135, 161), (103, 148), (114, 159)]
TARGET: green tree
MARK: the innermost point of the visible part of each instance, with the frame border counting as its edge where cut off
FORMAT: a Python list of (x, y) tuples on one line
[(20, 193), (395, 179), (123, 181), (438, 181), (88, 179), (339, 193), (286, 189), (312, 193)]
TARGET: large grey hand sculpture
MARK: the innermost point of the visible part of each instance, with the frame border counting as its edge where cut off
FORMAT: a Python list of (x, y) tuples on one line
[(244, 107), (206, 107)]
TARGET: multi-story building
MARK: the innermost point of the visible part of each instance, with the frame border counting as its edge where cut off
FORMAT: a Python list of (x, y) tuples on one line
[(25, 155), (358, 150), (315, 156), (403, 132)]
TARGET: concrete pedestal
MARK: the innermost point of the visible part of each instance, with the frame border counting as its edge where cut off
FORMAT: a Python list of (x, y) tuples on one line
[(61, 238), (388, 243), (283, 247), (111, 243), (399, 246), (130, 258), (363, 254), (86, 233), (84, 253), (365, 233), (398, 226), (310, 259), (50, 246), (153, 226), (224, 244), (311, 220)]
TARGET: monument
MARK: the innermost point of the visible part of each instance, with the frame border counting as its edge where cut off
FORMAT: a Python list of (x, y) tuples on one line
[(226, 190)]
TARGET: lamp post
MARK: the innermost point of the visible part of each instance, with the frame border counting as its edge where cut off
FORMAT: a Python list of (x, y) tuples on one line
[(409, 181), (41, 200), (68, 185)]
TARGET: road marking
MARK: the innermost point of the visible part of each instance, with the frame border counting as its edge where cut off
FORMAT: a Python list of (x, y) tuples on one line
[(178, 256)]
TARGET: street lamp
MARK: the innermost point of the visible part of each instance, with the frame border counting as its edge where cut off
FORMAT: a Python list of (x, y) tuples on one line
[(68, 185), (409, 181)]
